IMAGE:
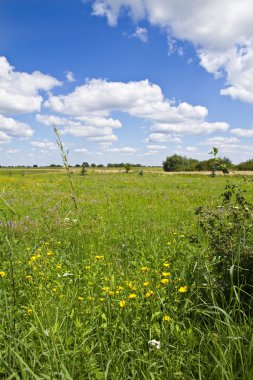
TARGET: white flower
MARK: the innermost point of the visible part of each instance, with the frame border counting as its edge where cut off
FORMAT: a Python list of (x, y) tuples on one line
[(67, 274), (155, 343)]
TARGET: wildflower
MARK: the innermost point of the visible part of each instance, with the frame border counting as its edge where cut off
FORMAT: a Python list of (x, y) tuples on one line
[(146, 283), (49, 253), (106, 289), (164, 281), (155, 343), (183, 289), (165, 274), (149, 294), (90, 298), (122, 303), (132, 296), (101, 299), (80, 298), (29, 277), (99, 257), (166, 318), (87, 267), (54, 290), (166, 265), (2, 274), (144, 269), (29, 311), (58, 266), (67, 274)]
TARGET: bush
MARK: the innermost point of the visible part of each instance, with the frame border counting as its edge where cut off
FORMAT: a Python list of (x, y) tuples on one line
[(228, 230)]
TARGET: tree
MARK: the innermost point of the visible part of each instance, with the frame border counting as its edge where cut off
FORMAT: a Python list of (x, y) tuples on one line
[(175, 163)]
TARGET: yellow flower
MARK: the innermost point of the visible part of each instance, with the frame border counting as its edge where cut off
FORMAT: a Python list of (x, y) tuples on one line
[(122, 303), (90, 298), (2, 274), (87, 267), (106, 289), (149, 294), (49, 253), (165, 274), (101, 299), (146, 283), (164, 281), (58, 266), (29, 311), (29, 277), (183, 289), (99, 257), (132, 296), (166, 318), (80, 298), (144, 269), (54, 290), (166, 265)]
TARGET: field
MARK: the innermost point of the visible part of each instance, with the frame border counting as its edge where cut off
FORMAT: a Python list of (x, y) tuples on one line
[(117, 280)]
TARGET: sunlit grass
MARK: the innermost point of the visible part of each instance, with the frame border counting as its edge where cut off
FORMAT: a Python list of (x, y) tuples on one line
[(119, 288)]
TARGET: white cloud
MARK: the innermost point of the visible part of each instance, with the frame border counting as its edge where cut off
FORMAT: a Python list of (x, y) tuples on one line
[(13, 151), (95, 100), (13, 127), (70, 76), (4, 137), (191, 149), (157, 147), (19, 91), (81, 150), (141, 34), (221, 30), (44, 145), (124, 150), (220, 141), (163, 137), (242, 132)]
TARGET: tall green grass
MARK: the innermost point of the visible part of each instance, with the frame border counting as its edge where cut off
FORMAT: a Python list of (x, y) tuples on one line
[(84, 292)]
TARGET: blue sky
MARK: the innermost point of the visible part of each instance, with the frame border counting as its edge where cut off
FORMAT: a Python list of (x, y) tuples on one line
[(125, 80)]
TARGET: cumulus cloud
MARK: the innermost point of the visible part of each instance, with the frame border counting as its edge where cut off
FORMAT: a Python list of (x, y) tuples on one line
[(10, 128), (44, 145), (221, 30), (242, 132), (156, 147), (4, 137), (219, 140), (124, 150), (94, 102), (19, 91)]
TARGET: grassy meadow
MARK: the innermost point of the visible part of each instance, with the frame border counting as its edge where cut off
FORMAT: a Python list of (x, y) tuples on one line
[(121, 286)]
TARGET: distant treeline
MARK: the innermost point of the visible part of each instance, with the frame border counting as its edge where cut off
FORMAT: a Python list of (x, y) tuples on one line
[(181, 163)]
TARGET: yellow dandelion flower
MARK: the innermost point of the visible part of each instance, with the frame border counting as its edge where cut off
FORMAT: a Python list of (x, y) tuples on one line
[(29, 311), (80, 298), (29, 277), (54, 290), (166, 318), (166, 265), (122, 303), (144, 269), (49, 253), (149, 294), (183, 289), (90, 298), (164, 281), (111, 293), (120, 288), (146, 283), (99, 258), (101, 299), (106, 289), (132, 296), (87, 267), (165, 274), (58, 266), (2, 274)]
